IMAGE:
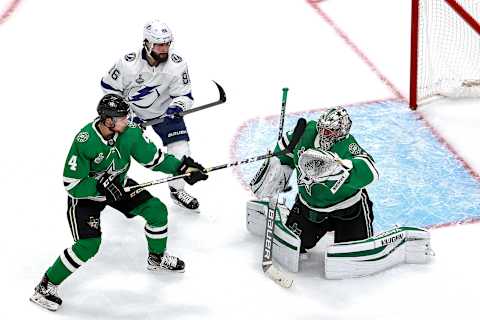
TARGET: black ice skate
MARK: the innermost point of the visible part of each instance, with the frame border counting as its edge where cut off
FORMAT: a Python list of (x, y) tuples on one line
[(45, 295), (184, 200), (159, 262)]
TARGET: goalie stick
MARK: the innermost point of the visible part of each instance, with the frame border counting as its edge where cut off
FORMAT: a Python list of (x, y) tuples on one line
[(268, 267), (222, 98), (288, 188), (296, 135), (282, 113)]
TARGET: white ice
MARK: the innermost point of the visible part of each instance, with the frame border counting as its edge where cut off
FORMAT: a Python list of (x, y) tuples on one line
[(53, 54)]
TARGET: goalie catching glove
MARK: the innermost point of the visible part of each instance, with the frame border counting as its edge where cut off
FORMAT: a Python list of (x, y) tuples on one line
[(271, 178), (195, 170), (321, 165)]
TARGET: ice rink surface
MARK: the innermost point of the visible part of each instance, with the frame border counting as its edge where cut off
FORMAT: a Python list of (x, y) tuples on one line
[(348, 52)]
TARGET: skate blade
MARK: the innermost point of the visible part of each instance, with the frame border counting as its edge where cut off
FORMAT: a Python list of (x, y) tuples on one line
[(44, 303), (160, 269), (181, 206)]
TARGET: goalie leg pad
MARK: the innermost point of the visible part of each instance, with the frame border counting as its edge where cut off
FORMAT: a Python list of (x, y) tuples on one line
[(256, 217), (286, 244), (365, 257), (271, 178), (418, 249)]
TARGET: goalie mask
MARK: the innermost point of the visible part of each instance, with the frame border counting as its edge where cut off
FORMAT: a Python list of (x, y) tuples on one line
[(334, 125), (156, 32)]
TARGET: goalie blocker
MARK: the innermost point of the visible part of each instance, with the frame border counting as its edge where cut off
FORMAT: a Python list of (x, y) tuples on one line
[(345, 259), (271, 179)]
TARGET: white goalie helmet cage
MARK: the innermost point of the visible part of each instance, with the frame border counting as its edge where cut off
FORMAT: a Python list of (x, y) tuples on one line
[(333, 125), (156, 32)]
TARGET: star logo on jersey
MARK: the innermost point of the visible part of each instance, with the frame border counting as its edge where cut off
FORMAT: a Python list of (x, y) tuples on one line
[(305, 181), (111, 170)]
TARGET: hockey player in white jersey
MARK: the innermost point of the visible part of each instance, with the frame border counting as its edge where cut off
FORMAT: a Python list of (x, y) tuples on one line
[(155, 82)]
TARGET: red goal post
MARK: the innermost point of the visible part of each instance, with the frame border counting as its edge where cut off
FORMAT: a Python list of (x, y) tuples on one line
[(445, 49)]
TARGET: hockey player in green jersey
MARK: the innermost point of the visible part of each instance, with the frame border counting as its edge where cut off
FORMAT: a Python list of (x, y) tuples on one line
[(332, 174), (95, 175)]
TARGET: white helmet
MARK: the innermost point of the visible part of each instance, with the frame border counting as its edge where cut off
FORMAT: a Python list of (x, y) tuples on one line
[(157, 32), (333, 125)]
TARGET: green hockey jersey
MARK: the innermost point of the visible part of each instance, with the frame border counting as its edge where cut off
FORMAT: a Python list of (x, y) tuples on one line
[(318, 196), (91, 155)]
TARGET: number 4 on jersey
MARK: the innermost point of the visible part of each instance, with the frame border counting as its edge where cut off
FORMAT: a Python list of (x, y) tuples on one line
[(73, 163)]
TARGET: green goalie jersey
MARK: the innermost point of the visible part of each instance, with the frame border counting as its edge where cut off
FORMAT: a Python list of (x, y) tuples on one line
[(91, 155), (318, 196)]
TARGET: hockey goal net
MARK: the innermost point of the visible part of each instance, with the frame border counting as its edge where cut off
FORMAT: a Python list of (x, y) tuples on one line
[(445, 49)]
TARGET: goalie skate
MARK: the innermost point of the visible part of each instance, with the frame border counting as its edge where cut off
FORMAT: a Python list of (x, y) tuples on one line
[(184, 200), (165, 262), (45, 295)]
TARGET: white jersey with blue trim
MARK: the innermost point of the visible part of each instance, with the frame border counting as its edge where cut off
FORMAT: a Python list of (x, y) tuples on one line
[(150, 90)]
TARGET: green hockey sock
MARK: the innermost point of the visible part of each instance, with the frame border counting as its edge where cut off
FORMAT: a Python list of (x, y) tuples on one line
[(72, 258)]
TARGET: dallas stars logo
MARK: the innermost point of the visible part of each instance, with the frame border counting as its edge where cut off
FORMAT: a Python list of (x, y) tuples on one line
[(94, 223), (295, 229), (112, 171)]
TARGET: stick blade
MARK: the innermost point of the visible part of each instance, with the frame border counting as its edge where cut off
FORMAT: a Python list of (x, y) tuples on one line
[(223, 97), (297, 134), (279, 277)]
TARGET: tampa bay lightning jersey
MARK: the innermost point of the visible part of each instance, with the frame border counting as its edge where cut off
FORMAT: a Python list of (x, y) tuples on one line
[(150, 90)]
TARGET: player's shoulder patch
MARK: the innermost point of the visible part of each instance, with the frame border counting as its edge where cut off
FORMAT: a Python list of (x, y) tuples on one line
[(176, 58), (82, 137), (132, 124), (354, 149), (130, 56)]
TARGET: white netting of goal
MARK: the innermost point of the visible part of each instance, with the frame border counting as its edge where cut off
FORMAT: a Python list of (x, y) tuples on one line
[(448, 50)]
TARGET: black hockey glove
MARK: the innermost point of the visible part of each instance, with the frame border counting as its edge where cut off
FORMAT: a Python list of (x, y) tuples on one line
[(195, 169), (110, 186)]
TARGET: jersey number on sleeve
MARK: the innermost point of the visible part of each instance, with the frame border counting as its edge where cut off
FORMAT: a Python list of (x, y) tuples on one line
[(73, 163), (185, 77), (114, 73)]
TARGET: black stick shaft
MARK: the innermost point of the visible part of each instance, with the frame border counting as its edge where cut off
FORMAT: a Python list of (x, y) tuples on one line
[(222, 99), (297, 134)]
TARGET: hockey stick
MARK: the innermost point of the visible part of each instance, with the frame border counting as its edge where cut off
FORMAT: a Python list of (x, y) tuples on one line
[(269, 269), (220, 100), (288, 188), (297, 134), (282, 113)]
